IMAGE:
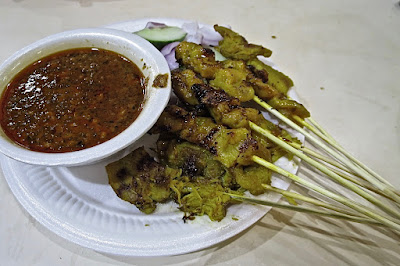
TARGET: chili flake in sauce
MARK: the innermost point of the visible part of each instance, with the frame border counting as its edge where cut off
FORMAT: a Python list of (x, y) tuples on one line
[(72, 100)]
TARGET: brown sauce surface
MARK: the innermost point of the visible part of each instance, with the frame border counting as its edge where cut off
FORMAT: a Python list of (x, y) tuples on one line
[(72, 100)]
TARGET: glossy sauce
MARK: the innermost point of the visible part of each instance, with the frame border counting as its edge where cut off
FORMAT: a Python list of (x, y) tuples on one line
[(72, 100)]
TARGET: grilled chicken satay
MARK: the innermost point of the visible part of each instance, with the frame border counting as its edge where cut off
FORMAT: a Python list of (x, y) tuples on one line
[(236, 46), (229, 146), (228, 111), (241, 79), (200, 165), (201, 60), (223, 108), (182, 81), (200, 189), (140, 180)]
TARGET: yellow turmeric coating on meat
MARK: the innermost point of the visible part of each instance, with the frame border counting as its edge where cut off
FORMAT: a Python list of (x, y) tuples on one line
[(140, 180), (195, 57), (236, 46), (229, 146), (182, 81)]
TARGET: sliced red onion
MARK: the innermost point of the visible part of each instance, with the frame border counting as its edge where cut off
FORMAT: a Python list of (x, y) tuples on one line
[(153, 25), (210, 36), (205, 35), (193, 33), (169, 53)]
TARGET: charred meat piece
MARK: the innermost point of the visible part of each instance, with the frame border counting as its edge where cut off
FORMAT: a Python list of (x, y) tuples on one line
[(289, 107), (268, 83), (276, 79), (182, 81), (229, 146), (282, 84), (232, 76), (140, 180), (194, 161), (227, 110)]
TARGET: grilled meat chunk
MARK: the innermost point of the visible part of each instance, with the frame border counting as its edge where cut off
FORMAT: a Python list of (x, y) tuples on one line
[(229, 146), (195, 57), (226, 110), (252, 177), (203, 196), (182, 81), (194, 161), (140, 180), (236, 46), (232, 77)]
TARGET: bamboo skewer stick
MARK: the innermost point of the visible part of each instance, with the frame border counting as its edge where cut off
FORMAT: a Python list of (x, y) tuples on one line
[(325, 192), (317, 155), (316, 126), (323, 134), (325, 170), (313, 129), (341, 167), (321, 129), (306, 210), (362, 184), (385, 187), (332, 142), (316, 202), (321, 157)]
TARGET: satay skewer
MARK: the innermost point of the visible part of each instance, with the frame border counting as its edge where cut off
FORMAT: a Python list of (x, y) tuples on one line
[(186, 122), (236, 47), (202, 61), (339, 215), (382, 184), (390, 222), (325, 170), (221, 106)]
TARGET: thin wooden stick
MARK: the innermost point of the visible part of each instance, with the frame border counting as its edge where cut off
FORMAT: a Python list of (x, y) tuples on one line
[(316, 202), (305, 210), (341, 167), (385, 187), (323, 134), (363, 184), (312, 129), (321, 129), (321, 157), (354, 205), (335, 144), (325, 170)]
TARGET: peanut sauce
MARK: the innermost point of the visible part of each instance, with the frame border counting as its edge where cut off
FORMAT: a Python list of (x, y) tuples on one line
[(72, 100)]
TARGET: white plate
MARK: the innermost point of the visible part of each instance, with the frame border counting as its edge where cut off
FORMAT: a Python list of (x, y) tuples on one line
[(78, 204)]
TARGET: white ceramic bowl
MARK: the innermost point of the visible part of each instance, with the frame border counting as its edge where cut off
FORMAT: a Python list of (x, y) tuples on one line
[(129, 45)]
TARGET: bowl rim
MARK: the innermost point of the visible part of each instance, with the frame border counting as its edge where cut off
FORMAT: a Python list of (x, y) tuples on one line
[(155, 99)]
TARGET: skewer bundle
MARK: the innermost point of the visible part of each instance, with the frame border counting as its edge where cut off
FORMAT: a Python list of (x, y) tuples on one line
[(340, 166), (220, 87)]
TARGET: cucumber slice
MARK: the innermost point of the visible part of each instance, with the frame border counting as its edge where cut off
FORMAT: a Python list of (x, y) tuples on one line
[(162, 36)]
